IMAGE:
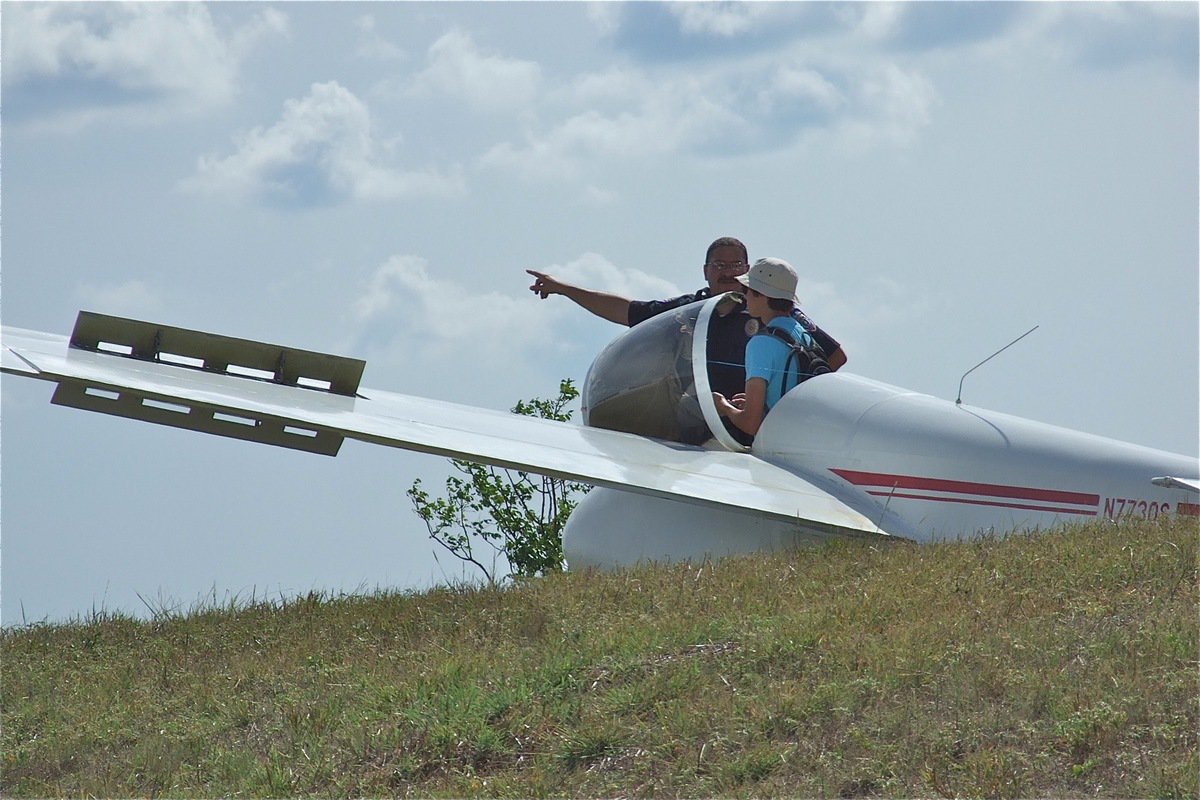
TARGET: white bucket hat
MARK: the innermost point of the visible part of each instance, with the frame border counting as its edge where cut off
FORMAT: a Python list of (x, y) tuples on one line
[(773, 277)]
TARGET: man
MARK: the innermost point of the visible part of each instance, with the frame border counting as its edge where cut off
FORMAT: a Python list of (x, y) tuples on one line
[(771, 299), (724, 262)]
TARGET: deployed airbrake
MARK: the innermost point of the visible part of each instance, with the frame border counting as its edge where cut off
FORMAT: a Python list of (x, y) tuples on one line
[(839, 456)]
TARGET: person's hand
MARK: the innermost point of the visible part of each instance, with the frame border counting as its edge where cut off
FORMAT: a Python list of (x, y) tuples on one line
[(544, 285), (723, 405), (739, 400)]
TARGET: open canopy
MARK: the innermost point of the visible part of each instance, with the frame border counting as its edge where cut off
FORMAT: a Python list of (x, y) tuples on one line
[(657, 378)]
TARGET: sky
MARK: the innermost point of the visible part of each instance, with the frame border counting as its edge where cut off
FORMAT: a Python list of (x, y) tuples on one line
[(373, 180)]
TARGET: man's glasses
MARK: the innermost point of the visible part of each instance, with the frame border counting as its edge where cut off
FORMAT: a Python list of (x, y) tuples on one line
[(728, 266)]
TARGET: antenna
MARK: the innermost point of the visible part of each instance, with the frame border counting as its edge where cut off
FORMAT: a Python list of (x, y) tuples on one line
[(958, 401)]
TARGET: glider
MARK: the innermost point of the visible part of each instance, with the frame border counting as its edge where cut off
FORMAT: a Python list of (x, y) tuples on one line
[(838, 456)]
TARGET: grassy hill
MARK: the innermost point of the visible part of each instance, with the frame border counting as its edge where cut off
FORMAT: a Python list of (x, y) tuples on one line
[(1063, 664)]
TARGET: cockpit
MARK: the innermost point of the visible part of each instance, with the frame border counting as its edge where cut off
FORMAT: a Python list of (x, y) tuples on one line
[(657, 378)]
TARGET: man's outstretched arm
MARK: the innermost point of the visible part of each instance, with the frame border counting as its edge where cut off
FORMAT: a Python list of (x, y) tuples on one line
[(609, 306)]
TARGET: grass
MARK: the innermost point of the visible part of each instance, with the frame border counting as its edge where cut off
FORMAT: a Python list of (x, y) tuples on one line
[(1062, 664)]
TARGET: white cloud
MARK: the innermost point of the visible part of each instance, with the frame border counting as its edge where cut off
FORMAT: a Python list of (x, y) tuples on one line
[(596, 272), (1114, 35), (128, 59), (458, 68), (398, 277), (605, 17), (416, 303), (418, 317), (892, 107), (402, 302), (627, 113), (875, 21), (321, 150), (648, 118), (791, 84), (721, 19), (627, 133), (427, 331)]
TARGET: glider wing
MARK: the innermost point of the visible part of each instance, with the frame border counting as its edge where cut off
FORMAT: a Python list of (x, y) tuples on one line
[(311, 401)]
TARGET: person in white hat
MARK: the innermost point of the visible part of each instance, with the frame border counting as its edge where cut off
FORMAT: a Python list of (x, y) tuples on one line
[(771, 297)]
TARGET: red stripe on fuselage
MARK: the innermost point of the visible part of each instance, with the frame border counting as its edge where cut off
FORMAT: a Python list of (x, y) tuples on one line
[(1187, 509), (892, 482), (994, 503)]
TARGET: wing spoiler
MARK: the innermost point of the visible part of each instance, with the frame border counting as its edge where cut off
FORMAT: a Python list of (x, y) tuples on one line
[(98, 369)]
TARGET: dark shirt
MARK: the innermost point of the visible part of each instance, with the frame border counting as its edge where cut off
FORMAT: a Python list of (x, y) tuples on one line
[(827, 343), (727, 338), (642, 310)]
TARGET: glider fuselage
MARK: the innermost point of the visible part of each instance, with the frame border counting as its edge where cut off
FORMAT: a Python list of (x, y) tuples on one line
[(918, 467)]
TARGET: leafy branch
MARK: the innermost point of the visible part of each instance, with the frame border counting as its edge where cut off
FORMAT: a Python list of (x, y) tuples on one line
[(488, 512)]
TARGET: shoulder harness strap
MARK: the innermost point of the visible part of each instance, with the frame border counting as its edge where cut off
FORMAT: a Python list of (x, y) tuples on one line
[(808, 357)]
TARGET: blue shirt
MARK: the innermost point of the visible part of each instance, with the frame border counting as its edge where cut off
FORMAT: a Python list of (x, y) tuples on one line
[(766, 357)]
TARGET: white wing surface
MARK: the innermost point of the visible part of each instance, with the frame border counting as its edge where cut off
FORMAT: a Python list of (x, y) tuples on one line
[(215, 395)]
